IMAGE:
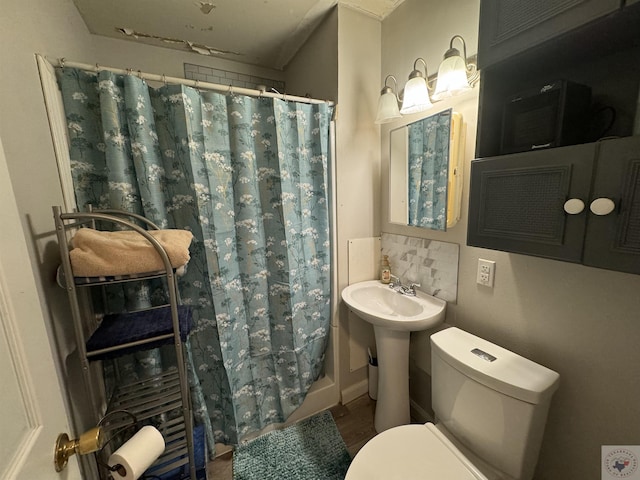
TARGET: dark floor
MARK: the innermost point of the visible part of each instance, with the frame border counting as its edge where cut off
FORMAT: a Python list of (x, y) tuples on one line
[(354, 420)]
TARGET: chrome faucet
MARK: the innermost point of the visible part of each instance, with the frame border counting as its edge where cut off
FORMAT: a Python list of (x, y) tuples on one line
[(396, 285), (395, 281), (410, 290)]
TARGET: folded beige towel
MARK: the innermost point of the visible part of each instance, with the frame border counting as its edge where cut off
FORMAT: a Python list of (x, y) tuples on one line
[(96, 253)]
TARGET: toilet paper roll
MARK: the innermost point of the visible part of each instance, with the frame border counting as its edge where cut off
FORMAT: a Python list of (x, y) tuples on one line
[(137, 454)]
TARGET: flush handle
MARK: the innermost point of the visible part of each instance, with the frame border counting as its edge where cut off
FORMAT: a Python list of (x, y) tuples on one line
[(574, 206), (602, 206), (483, 355)]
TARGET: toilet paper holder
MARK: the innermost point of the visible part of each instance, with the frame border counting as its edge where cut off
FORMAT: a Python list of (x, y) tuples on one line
[(89, 442)]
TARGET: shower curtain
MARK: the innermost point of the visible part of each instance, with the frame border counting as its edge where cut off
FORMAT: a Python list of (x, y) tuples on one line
[(249, 177)]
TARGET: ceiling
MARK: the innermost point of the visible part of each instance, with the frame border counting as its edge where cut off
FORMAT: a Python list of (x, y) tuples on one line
[(267, 33)]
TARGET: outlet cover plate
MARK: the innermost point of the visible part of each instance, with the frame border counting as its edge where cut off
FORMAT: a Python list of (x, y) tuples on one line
[(486, 272)]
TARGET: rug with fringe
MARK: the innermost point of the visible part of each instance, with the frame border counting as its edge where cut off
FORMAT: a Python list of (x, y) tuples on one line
[(311, 449)]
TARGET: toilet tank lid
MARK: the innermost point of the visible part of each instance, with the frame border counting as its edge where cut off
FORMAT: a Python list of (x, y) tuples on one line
[(494, 366)]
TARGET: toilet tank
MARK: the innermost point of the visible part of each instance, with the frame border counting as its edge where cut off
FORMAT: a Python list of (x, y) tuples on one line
[(492, 401)]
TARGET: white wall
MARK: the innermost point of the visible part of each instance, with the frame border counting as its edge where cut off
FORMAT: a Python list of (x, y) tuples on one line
[(52, 27), (55, 28), (313, 71), (358, 153), (580, 321)]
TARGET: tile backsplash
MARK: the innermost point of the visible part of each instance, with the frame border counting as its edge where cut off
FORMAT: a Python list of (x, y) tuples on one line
[(432, 264)]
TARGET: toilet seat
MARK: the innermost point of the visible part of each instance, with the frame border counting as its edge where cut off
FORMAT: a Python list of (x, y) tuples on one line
[(411, 452)]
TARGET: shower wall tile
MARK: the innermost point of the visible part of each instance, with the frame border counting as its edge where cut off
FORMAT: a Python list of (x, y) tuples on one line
[(223, 77), (432, 264)]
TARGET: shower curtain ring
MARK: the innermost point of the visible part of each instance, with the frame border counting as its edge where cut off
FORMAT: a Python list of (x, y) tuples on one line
[(97, 68), (164, 79), (61, 61), (231, 90)]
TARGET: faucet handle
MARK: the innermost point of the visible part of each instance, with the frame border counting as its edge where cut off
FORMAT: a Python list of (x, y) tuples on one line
[(413, 286), (394, 281)]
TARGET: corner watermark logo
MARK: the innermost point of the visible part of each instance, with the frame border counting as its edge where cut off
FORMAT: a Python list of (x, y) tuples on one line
[(620, 461)]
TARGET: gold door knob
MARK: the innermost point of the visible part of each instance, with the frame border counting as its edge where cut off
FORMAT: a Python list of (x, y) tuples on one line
[(89, 442)]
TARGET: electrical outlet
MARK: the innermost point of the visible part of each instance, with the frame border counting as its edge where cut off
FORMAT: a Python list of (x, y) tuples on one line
[(486, 272)]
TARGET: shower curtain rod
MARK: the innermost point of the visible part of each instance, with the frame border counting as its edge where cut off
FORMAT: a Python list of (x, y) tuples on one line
[(192, 83)]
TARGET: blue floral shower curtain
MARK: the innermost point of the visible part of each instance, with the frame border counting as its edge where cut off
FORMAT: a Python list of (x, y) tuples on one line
[(428, 146), (249, 177)]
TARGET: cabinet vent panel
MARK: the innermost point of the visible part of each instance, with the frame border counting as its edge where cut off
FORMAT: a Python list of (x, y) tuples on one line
[(524, 204), (629, 234), (516, 16)]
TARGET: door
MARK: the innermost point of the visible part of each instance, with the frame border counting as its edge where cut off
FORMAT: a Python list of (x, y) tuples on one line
[(32, 412), (613, 231), (517, 202)]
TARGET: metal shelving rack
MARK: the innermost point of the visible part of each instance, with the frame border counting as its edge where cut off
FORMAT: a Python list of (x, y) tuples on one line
[(163, 399)]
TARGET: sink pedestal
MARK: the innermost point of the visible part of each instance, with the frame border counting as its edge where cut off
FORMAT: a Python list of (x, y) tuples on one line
[(392, 407), (393, 317)]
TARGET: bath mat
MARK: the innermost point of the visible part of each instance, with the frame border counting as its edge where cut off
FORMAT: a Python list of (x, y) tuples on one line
[(311, 449)]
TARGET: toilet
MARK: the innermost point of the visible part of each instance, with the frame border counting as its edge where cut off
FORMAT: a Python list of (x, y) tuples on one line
[(491, 409)]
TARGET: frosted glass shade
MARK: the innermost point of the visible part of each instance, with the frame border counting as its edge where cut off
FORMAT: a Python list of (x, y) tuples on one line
[(387, 108), (452, 78), (416, 96)]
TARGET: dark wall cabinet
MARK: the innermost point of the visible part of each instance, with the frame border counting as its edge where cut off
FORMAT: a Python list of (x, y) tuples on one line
[(579, 204), (602, 54), (612, 240), (512, 26)]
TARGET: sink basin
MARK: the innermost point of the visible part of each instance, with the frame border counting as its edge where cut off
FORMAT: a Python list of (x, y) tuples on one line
[(382, 306)]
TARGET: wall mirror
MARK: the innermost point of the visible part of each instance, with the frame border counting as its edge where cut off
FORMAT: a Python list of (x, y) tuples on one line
[(425, 182)]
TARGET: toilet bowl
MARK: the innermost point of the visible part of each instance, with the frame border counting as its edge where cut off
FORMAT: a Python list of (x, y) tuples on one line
[(412, 452), (491, 407)]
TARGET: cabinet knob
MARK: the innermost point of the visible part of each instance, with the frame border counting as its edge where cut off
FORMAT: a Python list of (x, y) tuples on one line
[(602, 206), (573, 206)]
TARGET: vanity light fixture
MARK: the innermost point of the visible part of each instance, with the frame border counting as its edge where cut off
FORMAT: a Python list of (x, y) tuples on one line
[(416, 91), (455, 75), (388, 103)]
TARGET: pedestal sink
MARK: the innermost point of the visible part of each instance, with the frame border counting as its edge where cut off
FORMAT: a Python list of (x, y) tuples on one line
[(393, 316)]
